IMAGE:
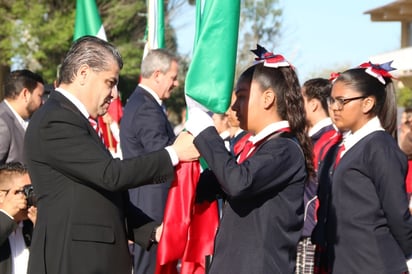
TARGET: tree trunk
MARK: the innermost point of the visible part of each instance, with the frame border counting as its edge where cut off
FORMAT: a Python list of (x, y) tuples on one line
[(4, 72)]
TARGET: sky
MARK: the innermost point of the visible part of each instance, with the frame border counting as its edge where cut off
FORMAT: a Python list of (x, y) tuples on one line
[(319, 35)]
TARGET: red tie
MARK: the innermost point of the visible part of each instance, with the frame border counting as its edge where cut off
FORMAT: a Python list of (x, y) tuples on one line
[(245, 152), (95, 126), (338, 155)]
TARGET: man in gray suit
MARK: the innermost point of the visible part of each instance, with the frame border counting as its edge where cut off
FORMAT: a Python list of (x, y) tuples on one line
[(23, 91)]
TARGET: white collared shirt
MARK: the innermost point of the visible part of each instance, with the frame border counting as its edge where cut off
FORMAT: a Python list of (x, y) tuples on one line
[(172, 153), (269, 129), (75, 101), (154, 94), (22, 122), (319, 125), (351, 139), (19, 251)]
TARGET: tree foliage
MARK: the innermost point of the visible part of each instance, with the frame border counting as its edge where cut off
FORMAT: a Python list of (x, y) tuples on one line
[(260, 23), (37, 34)]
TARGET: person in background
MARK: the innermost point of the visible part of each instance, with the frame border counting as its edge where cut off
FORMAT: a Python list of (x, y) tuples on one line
[(180, 127), (367, 228), (220, 121), (145, 128), (23, 92), (405, 143), (263, 215), (238, 136), (320, 129), (84, 215), (109, 124), (17, 216)]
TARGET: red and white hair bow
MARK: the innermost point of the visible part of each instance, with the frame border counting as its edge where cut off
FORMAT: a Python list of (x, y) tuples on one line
[(379, 71), (270, 59)]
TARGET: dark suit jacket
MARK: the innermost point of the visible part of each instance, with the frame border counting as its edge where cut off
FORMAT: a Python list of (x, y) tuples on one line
[(368, 225), (82, 202), (7, 226), (263, 217), (144, 128), (11, 136)]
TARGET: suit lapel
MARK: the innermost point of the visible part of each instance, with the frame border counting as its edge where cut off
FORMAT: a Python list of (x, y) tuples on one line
[(170, 131), (65, 103)]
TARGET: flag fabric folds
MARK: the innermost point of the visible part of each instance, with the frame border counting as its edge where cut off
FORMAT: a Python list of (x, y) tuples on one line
[(155, 29), (88, 20), (189, 228), (209, 80)]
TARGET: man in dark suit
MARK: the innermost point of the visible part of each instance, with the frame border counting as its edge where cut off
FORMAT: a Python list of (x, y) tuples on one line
[(23, 91), (84, 215), (145, 128), (16, 220)]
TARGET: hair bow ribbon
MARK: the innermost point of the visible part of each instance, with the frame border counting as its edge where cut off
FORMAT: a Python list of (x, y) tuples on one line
[(379, 71), (334, 76), (270, 59)]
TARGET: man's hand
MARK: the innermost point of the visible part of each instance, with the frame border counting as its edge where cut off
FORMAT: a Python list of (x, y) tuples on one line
[(184, 147), (32, 214), (15, 204)]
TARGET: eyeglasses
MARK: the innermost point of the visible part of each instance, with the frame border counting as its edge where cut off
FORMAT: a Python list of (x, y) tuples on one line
[(340, 102)]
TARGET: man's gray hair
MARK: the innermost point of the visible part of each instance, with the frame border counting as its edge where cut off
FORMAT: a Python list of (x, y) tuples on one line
[(157, 59), (92, 51)]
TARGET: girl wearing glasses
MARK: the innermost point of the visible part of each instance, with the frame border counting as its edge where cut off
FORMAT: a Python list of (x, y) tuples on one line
[(368, 224)]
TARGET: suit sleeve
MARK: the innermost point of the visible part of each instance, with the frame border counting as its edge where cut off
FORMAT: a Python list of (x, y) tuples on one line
[(276, 163), (71, 146), (7, 225), (5, 140), (140, 225), (388, 171), (146, 131)]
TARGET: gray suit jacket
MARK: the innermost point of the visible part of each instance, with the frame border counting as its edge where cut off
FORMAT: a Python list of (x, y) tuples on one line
[(11, 136)]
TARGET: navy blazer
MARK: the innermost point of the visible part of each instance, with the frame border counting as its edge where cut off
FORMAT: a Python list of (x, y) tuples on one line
[(145, 128), (83, 205), (263, 216), (367, 225)]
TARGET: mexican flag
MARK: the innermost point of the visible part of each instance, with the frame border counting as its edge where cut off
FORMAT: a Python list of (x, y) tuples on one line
[(155, 28), (88, 20), (189, 228), (209, 81)]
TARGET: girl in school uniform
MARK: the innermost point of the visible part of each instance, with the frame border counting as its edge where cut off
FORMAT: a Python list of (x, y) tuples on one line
[(263, 215), (368, 226)]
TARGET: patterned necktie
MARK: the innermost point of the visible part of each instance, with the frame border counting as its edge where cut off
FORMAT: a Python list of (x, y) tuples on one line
[(249, 146), (338, 155), (95, 126), (245, 152)]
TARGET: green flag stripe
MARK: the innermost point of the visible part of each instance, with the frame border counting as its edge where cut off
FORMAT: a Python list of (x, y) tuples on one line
[(88, 20), (211, 74)]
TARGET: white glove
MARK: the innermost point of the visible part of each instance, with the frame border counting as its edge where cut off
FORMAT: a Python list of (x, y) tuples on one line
[(409, 264), (198, 120)]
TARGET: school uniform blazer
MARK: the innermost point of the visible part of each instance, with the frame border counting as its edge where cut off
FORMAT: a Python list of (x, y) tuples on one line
[(144, 128), (7, 226), (11, 136), (82, 194), (263, 217), (369, 225)]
